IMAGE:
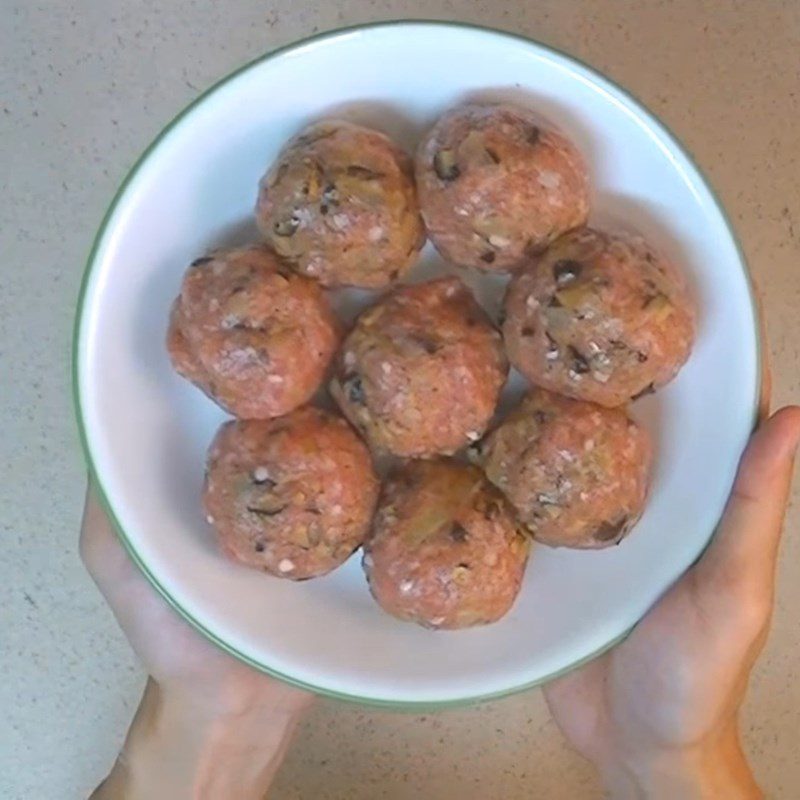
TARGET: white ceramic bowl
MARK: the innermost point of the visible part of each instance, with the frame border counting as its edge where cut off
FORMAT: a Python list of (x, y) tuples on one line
[(146, 431)]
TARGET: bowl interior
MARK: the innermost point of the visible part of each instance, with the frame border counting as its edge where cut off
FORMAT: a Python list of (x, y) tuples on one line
[(146, 430)]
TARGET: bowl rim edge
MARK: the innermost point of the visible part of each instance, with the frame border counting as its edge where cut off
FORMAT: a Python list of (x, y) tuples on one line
[(94, 476)]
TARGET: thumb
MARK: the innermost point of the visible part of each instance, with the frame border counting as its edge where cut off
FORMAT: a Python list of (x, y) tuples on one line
[(744, 550)]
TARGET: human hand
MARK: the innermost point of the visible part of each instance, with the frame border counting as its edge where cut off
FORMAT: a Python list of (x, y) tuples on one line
[(658, 714), (209, 726)]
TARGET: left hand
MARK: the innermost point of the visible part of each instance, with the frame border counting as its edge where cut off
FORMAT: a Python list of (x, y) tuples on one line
[(200, 703), (176, 656)]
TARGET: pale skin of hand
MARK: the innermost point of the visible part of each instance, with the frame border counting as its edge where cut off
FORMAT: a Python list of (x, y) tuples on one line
[(657, 715)]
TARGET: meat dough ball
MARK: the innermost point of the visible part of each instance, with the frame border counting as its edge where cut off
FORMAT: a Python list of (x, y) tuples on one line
[(293, 496), (599, 317), (445, 551), (576, 473), (340, 204), (255, 337), (422, 370), (495, 187)]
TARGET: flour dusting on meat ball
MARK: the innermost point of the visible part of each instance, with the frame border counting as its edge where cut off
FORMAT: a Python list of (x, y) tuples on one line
[(293, 496), (340, 204), (599, 317), (577, 473), (445, 551), (251, 334), (422, 370), (496, 186)]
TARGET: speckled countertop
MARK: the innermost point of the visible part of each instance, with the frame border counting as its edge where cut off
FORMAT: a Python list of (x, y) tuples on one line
[(84, 86)]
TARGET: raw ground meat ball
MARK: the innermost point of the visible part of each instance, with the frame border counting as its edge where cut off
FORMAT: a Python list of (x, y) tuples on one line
[(600, 317), (293, 496), (495, 187), (445, 550), (576, 473), (422, 370), (340, 204), (251, 334)]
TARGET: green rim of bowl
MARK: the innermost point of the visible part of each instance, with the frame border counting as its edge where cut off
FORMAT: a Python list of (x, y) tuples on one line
[(399, 705)]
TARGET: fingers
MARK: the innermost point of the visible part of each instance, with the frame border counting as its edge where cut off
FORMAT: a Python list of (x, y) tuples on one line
[(100, 549), (743, 553)]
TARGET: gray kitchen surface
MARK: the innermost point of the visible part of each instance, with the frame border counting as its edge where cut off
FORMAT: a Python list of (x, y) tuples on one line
[(84, 87)]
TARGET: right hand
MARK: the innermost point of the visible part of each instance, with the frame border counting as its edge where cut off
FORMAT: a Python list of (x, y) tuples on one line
[(658, 714)]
